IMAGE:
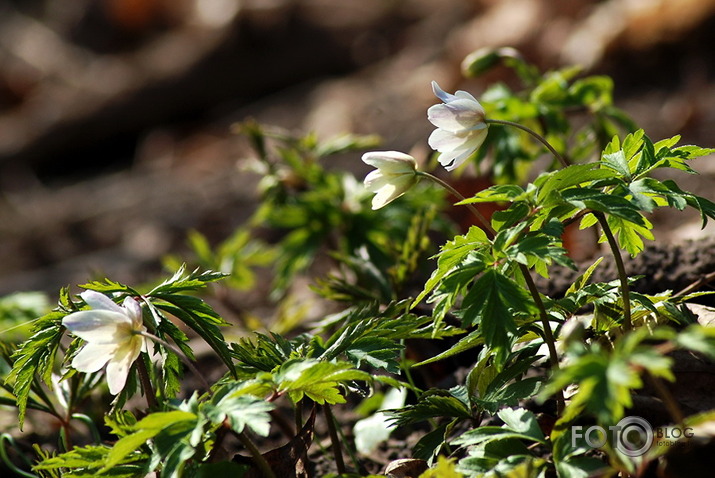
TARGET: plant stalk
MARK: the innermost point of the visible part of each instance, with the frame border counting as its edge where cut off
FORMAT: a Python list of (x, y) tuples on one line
[(622, 276), (258, 459), (668, 400), (182, 356), (146, 384), (564, 162), (480, 217), (334, 439)]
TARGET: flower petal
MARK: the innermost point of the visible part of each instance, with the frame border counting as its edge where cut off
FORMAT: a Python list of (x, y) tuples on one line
[(393, 162), (120, 363), (441, 94), (392, 191), (92, 357), (458, 115), (133, 310), (98, 326), (100, 301), (385, 195), (375, 180), (463, 95), (443, 141), (453, 159)]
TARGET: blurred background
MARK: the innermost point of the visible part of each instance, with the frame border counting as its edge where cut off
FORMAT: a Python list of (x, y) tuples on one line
[(115, 115)]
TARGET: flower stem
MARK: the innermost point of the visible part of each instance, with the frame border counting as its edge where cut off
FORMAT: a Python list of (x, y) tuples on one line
[(182, 356), (146, 384), (334, 439), (259, 460), (622, 276), (671, 404), (564, 162), (483, 220)]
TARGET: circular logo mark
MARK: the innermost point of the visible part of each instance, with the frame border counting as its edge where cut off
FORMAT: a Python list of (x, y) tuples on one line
[(634, 437)]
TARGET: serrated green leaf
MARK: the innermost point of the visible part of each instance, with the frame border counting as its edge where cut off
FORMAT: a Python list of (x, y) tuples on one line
[(492, 303), (433, 404), (453, 254), (483, 435), (183, 282), (241, 411), (618, 163), (201, 321), (176, 424), (497, 193), (629, 234), (568, 177), (613, 205), (35, 359), (317, 380), (469, 341), (522, 421)]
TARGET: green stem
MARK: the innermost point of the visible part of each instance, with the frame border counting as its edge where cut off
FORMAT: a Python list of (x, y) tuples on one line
[(622, 276), (548, 334), (564, 162), (334, 439), (258, 459), (182, 356), (90, 425), (483, 220), (668, 400), (146, 384), (6, 437)]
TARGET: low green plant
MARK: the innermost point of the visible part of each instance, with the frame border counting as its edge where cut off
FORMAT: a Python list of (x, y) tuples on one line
[(537, 367)]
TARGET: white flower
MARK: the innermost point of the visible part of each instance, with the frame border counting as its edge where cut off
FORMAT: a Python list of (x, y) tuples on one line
[(112, 333), (461, 129), (396, 173)]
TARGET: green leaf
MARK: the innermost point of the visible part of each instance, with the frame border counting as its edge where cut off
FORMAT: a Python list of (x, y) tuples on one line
[(618, 163), (202, 319), (183, 282), (145, 430), (86, 461), (492, 302), (697, 338), (469, 341), (522, 421), (265, 353), (567, 177), (629, 234), (35, 358), (435, 403), (498, 193), (453, 254), (241, 411), (583, 279), (483, 435), (588, 198), (317, 380), (378, 352), (445, 468)]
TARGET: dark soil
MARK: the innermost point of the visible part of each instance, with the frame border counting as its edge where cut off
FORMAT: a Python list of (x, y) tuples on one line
[(662, 267)]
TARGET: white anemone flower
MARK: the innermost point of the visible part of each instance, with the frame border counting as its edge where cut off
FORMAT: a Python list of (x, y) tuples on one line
[(396, 173), (113, 336), (461, 128)]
